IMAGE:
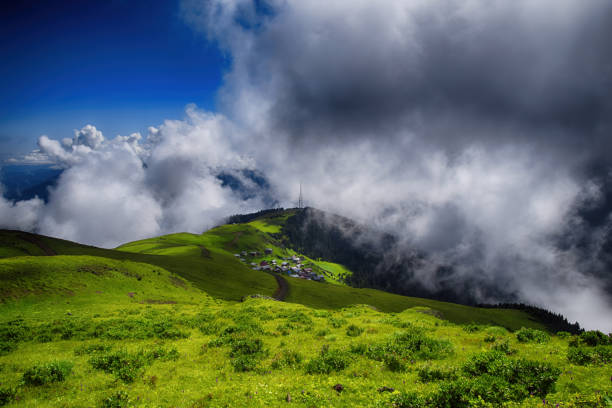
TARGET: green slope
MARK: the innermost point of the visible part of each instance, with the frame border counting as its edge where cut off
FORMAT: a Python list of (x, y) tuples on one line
[(207, 261), (134, 329)]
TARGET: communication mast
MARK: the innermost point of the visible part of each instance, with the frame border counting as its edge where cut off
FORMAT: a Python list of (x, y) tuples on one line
[(300, 200)]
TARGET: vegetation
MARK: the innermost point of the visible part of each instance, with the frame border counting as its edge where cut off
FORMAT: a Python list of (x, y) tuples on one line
[(168, 321)]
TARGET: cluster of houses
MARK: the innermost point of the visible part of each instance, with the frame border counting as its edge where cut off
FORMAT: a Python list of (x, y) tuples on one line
[(291, 266)]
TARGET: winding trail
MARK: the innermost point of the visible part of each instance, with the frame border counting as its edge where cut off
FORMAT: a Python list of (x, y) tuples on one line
[(283, 287)]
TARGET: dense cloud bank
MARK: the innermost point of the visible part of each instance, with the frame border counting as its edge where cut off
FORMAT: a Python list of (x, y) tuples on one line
[(476, 131)]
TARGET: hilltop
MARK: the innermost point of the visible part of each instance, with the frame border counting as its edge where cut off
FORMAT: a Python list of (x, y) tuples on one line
[(187, 320)]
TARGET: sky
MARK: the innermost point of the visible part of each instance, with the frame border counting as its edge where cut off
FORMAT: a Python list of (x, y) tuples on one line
[(478, 132), (123, 65)]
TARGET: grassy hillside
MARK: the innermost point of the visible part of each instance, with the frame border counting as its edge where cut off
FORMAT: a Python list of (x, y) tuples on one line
[(207, 261), (156, 323)]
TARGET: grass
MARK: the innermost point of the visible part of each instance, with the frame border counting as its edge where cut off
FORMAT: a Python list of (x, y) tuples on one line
[(235, 355), (160, 322)]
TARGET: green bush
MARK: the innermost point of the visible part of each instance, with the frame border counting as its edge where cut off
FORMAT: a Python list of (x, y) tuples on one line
[(454, 394), (407, 400), (595, 338), (119, 399), (428, 374), (337, 323), (14, 331), (597, 355), (286, 358), (472, 328), (7, 395), (7, 346), (489, 339), (564, 334), (353, 330), (42, 374), (504, 347), (246, 346), (246, 353), (329, 360), (128, 366), (522, 377), (395, 363), (245, 362), (525, 335)]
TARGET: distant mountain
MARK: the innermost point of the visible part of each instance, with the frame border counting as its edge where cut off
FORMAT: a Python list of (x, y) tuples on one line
[(23, 182)]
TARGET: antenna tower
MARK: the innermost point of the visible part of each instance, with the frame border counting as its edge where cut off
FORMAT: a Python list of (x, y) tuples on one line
[(300, 200)]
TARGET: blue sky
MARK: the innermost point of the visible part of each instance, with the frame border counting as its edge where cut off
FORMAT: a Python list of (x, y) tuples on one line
[(119, 65)]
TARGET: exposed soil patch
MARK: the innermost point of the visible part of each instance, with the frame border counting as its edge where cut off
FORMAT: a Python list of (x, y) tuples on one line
[(179, 283), (98, 270), (33, 239), (283, 288)]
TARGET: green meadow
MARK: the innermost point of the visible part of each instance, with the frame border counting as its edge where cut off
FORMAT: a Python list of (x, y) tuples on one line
[(179, 321)]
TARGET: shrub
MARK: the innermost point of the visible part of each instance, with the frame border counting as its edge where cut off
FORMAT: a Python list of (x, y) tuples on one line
[(472, 328), (47, 373), (489, 339), (504, 347), (407, 400), (597, 355), (327, 361), (415, 344), (123, 365), (595, 338), (7, 395), (336, 323), (428, 374), (453, 394), (14, 331), (522, 377), (287, 358), (353, 331), (395, 363), (246, 346), (564, 334), (119, 399), (7, 346), (246, 353), (244, 362), (525, 335)]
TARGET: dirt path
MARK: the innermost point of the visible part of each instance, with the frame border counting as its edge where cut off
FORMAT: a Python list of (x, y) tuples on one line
[(38, 242), (283, 288)]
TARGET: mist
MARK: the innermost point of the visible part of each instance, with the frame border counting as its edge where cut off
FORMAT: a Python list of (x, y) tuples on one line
[(476, 132)]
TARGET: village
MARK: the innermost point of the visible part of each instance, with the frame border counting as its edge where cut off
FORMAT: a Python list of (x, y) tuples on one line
[(291, 266)]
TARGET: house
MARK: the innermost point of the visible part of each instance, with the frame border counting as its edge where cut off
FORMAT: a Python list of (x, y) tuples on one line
[(285, 264), (309, 270), (243, 253), (268, 251), (253, 264), (237, 255), (263, 263)]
